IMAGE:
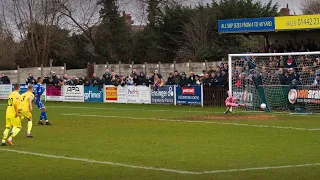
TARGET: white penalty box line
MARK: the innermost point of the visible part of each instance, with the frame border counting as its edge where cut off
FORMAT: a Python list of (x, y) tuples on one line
[(156, 168), (189, 121)]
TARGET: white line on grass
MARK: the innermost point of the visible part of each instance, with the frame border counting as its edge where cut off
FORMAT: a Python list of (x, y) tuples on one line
[(188, 121), (128, 109), (155, 168), (191, 111)]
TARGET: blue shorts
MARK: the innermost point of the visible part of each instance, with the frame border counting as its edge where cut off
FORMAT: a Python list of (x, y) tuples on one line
[(40, 105)]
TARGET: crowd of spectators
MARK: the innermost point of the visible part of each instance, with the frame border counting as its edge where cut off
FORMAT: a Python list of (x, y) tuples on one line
[(213, 77), (277, 70)]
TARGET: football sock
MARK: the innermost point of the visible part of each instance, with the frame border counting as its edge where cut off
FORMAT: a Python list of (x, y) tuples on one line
[(45, 116), (41, 116), (15, 133), (29, 127), (5, 134)]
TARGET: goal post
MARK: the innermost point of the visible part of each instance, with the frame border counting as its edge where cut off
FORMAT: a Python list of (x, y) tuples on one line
[(283, 81)]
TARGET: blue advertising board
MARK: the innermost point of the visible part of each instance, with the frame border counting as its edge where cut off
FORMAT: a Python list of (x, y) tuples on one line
[(93, 94), (23, 88), (163, 95), (246, 25), (189, 95)]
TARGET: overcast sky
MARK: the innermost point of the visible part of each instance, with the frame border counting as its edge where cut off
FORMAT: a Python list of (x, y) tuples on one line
[(294, 5), (131, 8)]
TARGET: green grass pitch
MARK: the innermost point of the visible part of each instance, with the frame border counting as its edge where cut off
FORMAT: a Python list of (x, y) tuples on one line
[(120, 141)]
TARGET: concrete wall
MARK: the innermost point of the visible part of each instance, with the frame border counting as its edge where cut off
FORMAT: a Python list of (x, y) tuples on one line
[(21, 74)]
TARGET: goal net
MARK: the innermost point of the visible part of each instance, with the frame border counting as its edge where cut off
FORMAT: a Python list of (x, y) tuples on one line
[(283, 81)]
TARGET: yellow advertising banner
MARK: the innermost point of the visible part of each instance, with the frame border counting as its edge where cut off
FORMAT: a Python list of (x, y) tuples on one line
[(297, 22)]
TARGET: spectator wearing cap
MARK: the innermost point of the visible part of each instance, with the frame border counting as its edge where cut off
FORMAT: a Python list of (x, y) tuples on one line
[(294, 84), (5, 79), (177, 78), (184, 80), (316, 80), (192, 78), (170, 80)]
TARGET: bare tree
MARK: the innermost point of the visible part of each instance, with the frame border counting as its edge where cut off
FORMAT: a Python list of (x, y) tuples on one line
[(80, 16), (310, 6), (8, 47), (30, 21), (197, 36)]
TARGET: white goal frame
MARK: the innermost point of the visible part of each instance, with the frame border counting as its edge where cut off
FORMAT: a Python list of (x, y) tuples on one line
[(230, 56)]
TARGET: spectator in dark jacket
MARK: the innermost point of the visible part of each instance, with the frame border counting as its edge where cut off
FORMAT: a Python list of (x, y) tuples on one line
[(292, 75), (142, 79), (219, 79), (5, 79), (225, 78), (54, 78), (107, 75), (282, 76), (94, 79), (177, 78), (206, 80), (135, 79), (184, 80), (170, 80), (30, 79), (192, 78), (114, 81), (213, 80)]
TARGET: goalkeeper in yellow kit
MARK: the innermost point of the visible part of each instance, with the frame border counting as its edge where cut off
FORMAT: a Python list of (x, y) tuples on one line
[(12, 116), (26, 106)]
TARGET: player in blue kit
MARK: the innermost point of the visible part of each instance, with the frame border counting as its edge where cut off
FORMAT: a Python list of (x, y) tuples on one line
[(38, 91)]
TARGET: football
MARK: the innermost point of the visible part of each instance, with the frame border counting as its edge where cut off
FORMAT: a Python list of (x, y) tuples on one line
[(263, 106)]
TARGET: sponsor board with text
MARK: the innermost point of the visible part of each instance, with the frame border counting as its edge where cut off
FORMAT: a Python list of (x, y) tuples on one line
[(73, 93), (5, 91), (163, 95), (189, 95), (93, 94), (111, 93), (311, 96)]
